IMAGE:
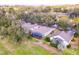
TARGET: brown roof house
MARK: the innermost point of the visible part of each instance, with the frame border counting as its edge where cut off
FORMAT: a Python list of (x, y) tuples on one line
[(62, 39)]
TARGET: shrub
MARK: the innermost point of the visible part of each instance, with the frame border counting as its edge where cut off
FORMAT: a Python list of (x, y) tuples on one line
[(18, 38), (69, 46), (53, 45), (47, 39), (76, 34), (73, 40), (29, 37)]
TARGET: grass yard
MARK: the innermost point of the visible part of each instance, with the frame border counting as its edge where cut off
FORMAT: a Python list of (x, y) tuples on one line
[(70, 52), (8, 48), (3, 50), (27, 47), (34, 50)]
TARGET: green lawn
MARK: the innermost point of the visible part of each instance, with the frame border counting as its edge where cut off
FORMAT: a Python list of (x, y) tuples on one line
[(29, 49), (70, 52), (35, 50), (23, 49)]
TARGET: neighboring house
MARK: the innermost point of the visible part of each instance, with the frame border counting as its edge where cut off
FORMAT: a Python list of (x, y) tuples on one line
[(36, 30), (74, 14), (62, 39)]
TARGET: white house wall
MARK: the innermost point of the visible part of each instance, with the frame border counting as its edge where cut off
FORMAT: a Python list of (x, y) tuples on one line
[(64, 42), (61, 39)]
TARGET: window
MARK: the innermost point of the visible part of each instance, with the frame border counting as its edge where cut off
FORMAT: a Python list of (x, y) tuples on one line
[(57, 40)]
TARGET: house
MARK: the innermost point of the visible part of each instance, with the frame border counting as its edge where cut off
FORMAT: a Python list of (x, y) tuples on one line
[(41, 31), (36, 30), (62, 39)]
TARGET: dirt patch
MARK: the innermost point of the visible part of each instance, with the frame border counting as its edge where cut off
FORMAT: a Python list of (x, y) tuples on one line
[(48, 48)]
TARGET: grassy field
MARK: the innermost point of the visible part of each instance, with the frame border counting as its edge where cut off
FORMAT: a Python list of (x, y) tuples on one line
[(9, 48), (71, 52), (35, 50), (3, 51)]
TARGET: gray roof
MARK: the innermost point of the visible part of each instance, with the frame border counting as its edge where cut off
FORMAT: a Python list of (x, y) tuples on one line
[(28, 25), (37, 28), (42, 29), (67, 36)]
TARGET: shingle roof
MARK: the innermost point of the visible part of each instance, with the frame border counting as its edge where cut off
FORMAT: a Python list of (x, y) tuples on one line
[(27, 25), (67, 36), (42, 29), (37, 28)]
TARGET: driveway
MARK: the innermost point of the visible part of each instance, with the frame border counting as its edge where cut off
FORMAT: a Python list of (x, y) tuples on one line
[(48, 48)]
